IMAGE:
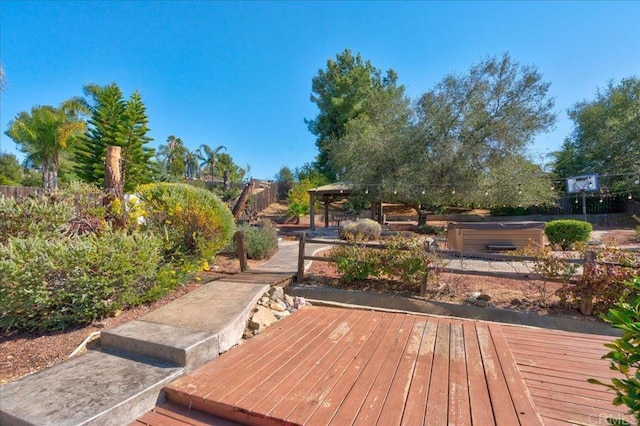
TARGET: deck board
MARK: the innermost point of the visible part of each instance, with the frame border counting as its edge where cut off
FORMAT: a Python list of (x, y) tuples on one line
[(555, 369), (337, 366)]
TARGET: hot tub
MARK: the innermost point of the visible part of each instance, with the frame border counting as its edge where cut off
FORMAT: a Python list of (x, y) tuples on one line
[(494, 236)]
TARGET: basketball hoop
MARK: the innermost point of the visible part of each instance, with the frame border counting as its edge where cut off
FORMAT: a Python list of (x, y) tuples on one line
[(578, 184)]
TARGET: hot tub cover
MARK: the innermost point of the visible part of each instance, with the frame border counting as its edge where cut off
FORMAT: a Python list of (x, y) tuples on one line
[(492, 226)]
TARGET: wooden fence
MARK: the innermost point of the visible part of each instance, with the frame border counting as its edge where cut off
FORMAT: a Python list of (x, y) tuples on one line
[(478, 263), (19, 192), (263, 199)]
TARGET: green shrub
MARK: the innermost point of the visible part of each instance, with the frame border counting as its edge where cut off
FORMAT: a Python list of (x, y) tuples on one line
[(360, 229), (33, 217), (566, 232), (432, 230), (355, 263), (194, 223), (625, 353), (261, 241), (405, 259), (54, 284)]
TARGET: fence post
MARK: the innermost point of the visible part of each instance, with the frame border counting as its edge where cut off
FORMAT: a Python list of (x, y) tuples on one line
[(300, 275), (586, 303), (242, 250)]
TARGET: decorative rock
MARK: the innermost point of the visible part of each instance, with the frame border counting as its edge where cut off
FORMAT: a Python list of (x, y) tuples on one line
[(484, 296), (471, 300), (278, 305), (281, 315), (516, 301), (100, 324), (264, 300), (481, 303), (298, 302), (261, 319), (276, 292), (288, 300)]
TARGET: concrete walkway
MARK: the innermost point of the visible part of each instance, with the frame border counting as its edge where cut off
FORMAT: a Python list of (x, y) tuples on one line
[(124, 378)]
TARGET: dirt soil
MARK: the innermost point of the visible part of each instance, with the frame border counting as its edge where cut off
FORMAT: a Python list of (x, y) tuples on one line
[(26, 353)]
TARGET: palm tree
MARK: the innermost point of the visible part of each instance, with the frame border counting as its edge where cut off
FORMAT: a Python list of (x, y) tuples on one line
[(191, 163), (45, 134), (173, 156), (209, 157)]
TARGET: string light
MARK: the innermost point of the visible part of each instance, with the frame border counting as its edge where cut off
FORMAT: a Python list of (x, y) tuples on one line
[(454, 191), (629, 197), (424, 192), (366, 190), (395, 192)]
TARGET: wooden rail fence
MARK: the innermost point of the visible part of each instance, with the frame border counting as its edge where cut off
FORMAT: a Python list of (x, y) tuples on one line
[(588, 259)]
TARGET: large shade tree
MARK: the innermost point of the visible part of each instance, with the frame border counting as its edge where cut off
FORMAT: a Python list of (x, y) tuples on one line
[(45, 134), (342, 92), (606, 138), (450, 148)]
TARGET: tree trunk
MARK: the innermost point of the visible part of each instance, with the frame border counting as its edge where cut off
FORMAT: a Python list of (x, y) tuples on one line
[(422, 215), (112, 175), (225, 180), (237, 209)]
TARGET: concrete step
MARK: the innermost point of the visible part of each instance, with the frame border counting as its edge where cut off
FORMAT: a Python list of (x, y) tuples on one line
[(179, 346), (103, 387)]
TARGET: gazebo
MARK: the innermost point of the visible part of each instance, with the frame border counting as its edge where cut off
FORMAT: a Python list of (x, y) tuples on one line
[(332, 192)]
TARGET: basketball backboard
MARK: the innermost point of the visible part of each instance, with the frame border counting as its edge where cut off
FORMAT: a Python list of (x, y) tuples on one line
[(586, 183)]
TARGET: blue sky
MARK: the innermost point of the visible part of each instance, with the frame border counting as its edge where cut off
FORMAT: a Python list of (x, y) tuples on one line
[(239, 73)]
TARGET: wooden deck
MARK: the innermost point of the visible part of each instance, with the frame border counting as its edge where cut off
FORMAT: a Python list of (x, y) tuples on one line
[(337, 366)]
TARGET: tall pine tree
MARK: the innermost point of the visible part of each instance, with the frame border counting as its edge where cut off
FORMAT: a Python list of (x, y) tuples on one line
[(117, 122), (136, 156)]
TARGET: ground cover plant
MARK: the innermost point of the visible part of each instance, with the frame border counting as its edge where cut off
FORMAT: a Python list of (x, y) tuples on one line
[(65, 262)]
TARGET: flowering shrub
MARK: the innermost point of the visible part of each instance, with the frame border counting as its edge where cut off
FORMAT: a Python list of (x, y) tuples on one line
[(194, 223)]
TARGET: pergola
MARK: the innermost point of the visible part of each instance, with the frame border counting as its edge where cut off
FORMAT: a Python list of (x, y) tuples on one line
[(332, 192)]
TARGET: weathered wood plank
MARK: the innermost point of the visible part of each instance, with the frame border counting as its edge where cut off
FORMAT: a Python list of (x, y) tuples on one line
[(503, 409), (459, 408), (438, 397), (396, 401), (414, 411), (327, 392), (524, 405), (301, 368), (372, 406), (302, 382), (354, 399), (480, 403)]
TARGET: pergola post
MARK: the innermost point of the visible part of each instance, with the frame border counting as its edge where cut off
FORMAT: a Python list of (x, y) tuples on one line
[(326, 211), (312, 211)]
